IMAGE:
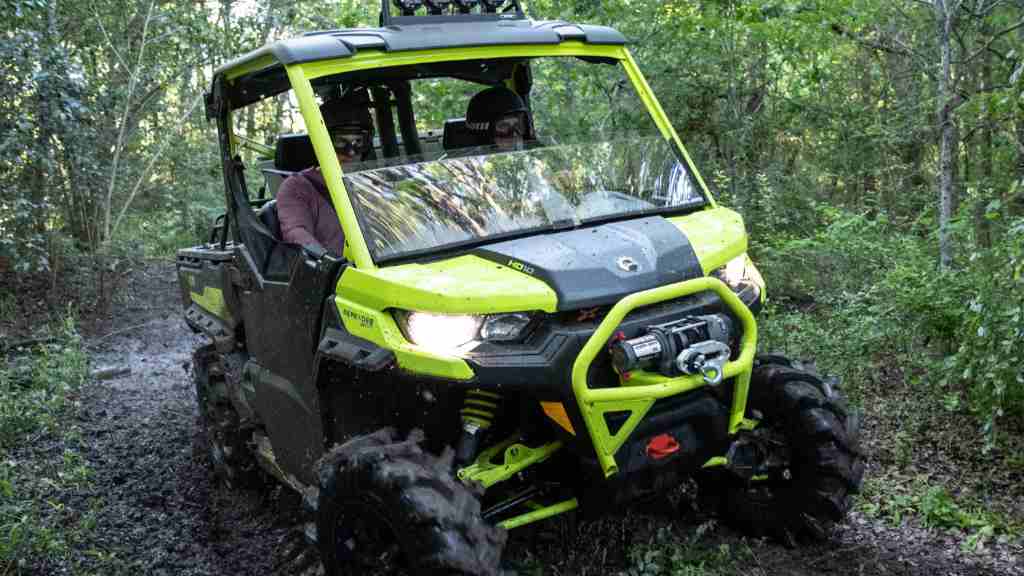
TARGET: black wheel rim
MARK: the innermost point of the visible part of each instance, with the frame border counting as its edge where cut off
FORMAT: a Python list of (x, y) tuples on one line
[(365, 540), (765, 491)]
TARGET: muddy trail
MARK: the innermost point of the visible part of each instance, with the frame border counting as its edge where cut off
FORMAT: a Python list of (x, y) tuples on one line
[(163, 513)]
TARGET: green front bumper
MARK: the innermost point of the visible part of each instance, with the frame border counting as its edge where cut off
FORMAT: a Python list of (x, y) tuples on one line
[(638, 394)]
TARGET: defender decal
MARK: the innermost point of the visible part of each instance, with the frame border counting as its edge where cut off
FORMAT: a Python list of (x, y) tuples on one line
[(363, 320)]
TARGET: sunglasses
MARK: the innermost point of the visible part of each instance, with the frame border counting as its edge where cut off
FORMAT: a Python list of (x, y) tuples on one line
[(509, 126), (349, 143)]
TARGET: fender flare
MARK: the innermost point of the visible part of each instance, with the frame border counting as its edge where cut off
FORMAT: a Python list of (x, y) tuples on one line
[(338, 350), (216, 329)]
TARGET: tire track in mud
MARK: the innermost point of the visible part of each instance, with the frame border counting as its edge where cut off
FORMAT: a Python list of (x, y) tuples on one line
[(164, 514)]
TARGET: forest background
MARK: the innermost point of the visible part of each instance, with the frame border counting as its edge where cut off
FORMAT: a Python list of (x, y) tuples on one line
[(874, 147)]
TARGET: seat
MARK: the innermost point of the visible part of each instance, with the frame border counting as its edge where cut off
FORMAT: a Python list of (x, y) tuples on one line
[(294, 152), (458, 135), (268, 215)]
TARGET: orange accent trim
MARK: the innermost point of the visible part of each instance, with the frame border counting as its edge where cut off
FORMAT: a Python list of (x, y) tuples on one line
[(556, 411)]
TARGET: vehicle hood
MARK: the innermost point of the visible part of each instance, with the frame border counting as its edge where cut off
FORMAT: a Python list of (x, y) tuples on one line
[(554, 271), (600, 265)]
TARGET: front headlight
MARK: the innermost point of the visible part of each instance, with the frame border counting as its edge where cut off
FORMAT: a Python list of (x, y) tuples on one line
[(744, 278), (504, 327), (447, 333)]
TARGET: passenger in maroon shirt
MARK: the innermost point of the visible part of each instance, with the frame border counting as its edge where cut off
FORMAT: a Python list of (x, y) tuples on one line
[(303, 204)]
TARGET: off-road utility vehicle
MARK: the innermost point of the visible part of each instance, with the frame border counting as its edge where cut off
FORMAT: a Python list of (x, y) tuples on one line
[(510, 334)]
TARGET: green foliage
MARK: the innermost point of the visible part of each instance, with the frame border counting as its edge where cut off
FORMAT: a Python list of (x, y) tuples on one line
[(7, 307), (989, 362), (669, 554), (940, 510), (37, 530), (862, 294), (21, 534), (867, 294), (935, 507), (35, 391), (814, 119)]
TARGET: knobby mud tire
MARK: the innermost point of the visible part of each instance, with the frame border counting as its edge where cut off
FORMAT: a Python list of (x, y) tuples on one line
[(433, 520), (825, 466), (225, 441)]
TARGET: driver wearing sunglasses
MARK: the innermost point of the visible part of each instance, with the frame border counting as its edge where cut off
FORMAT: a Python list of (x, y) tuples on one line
[(303, 203), (509, 131), (498, 116), (350, 142)]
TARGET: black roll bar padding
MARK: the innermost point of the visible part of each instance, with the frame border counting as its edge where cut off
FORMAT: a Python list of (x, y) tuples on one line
[(385, 121), (224, 231), (210, 106), (522, 76), (227, 163), (406, 117)]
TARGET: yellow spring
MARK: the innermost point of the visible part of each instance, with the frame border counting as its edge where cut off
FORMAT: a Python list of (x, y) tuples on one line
[(479, 407)]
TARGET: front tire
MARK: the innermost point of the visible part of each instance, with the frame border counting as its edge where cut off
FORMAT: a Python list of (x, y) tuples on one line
[(386, 507), (226, 442), (811, 493)]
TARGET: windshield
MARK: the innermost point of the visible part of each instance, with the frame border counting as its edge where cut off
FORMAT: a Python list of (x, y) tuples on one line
[(484, 193)]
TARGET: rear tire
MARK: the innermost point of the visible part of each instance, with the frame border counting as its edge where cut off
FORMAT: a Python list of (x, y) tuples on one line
[(388, 507), (226, 442), (825, 466)]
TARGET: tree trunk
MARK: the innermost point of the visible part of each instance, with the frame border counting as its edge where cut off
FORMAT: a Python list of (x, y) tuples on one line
[(225, 13), (982, 226), (1020, 113), (947, 133), (1020, 150), (43, 159), (909, 143), (959, 172)]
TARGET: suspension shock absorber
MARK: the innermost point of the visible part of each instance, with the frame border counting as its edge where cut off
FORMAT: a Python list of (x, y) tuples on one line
[(479, 410)]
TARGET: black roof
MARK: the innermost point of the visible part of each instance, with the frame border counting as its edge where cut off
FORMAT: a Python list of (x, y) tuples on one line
[(443, 34)]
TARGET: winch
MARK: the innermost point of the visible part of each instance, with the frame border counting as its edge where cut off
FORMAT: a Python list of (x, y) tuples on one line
[(692, 345)]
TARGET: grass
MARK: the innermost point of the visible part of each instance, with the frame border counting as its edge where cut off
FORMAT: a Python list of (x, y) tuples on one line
[(36, 389), (689, 555), (933, 506), (655, 548), (40, 455), (7, 307)]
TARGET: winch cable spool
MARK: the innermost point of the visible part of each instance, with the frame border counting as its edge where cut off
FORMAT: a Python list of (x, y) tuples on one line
[(693, 345)]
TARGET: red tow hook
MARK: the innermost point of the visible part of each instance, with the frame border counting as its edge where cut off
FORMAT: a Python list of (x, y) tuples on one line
[(619, 335), (662, 446)]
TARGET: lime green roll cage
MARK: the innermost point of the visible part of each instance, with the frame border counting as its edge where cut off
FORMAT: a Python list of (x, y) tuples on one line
[(302, 75)]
